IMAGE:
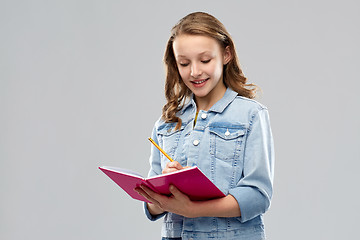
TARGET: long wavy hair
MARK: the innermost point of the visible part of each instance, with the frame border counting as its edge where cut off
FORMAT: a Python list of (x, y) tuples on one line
[(200, 23)]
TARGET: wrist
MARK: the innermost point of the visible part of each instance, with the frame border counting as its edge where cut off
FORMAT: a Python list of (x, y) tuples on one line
[(154, 210)]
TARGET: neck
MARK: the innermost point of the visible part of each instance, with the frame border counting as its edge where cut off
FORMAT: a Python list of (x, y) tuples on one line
[(206, 102)]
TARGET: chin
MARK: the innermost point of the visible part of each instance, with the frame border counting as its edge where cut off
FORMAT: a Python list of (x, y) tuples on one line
[(200, 93)]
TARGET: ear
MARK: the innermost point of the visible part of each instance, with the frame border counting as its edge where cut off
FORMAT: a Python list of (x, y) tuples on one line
[(227, 55)]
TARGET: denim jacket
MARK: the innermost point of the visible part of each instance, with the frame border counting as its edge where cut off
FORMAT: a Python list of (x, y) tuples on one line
[(232, 144)]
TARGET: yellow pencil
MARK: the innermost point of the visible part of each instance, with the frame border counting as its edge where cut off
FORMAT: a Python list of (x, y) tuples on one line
[(157, 146)]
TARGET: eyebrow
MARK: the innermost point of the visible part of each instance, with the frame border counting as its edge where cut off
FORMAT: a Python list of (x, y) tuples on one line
[(202, 53)]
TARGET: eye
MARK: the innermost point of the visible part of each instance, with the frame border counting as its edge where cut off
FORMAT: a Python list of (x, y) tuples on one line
[(206, 61), (183, 64)]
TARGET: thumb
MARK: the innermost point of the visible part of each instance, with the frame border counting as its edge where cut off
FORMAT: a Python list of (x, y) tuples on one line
[(174, 191)]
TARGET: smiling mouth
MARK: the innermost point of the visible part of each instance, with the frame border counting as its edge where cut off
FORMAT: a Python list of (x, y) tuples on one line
[(200, 81)]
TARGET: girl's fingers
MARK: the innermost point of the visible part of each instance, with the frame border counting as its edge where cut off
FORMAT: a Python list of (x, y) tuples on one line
[(172, 167), (150, 195), (175, 164), (176, 192)]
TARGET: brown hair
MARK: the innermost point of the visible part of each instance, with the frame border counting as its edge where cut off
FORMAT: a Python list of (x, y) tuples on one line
[(176, 91)]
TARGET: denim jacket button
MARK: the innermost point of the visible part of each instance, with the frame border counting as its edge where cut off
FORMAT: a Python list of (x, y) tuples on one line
[(227, 133), (196, 142), (204, 116)]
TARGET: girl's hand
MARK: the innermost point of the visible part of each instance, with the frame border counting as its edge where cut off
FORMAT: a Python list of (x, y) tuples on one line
[(178, 202), (172, 167)]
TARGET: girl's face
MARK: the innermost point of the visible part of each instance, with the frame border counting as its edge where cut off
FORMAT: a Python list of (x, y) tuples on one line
[(200, 60)]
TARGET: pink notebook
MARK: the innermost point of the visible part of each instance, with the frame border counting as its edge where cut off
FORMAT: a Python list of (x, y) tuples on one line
[(190, 181)]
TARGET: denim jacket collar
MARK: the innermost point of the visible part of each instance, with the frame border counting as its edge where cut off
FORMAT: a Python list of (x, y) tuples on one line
[(219, 106)]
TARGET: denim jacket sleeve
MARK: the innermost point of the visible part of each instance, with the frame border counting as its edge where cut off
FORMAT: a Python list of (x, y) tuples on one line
[(155, 169), (254, 190)]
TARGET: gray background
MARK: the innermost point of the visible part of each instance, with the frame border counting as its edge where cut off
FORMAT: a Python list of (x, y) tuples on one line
[(81, 84)]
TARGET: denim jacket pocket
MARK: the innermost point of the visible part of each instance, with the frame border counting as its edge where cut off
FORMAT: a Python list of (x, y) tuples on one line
[(225, 141), (169, 139)]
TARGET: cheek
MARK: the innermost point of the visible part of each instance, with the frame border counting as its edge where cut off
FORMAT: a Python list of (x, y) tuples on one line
[(215, 69), (184, 73)]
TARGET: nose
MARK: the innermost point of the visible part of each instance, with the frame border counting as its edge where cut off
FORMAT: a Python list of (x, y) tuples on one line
[(195, 70)]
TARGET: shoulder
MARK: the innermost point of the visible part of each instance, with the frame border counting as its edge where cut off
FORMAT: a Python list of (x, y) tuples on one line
[(241, 111), (163, 127), (247, 104), (160, 123)]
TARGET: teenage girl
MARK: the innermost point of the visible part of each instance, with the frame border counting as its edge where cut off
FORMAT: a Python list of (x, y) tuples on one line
[(210, 121)]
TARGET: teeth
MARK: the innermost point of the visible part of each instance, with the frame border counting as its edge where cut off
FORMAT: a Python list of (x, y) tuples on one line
[(198, 82)]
